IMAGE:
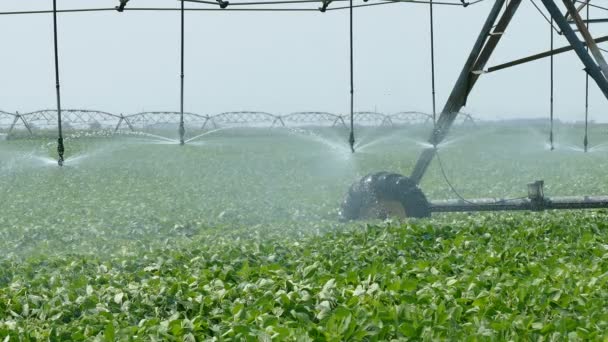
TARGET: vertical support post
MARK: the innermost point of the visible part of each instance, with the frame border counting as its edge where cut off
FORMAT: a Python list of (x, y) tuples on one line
[(351, 139), (477, 59), (552, 146), (590, 66), (60, 147), (182, 129), (586, 138), (433, 63)]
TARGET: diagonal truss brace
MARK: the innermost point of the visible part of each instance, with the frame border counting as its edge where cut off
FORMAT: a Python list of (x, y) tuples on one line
[(582, 28), (481, 52), (17, 118), (590, 65), (123, 118), (580, 7), (538, 56)]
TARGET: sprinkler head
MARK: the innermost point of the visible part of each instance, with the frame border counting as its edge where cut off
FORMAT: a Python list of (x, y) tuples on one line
[(60, 151), (182, 132), (223, 4), (586, 143), (464, 4), (351, 141)]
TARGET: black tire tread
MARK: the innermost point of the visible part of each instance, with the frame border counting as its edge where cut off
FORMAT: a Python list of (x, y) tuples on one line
[(384, 186)]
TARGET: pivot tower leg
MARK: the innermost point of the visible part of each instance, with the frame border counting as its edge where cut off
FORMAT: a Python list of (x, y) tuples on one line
[(590, 66), (482, 50)]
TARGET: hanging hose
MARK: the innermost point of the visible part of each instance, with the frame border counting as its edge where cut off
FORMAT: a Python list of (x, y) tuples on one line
[(351, 139), (182, 129), (455, 192), (433, 65), (551, 91), (586, 139), (60, 147)]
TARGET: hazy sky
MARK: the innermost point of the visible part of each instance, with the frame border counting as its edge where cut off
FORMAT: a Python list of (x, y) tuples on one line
[(279, 62)]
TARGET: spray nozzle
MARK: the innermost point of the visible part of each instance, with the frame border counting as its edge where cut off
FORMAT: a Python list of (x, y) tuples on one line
[(60, 151), (586, 143), (182, 132)]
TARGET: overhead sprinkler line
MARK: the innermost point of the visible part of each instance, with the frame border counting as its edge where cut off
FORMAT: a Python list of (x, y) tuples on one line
[(324, 3), (404, 2), (224, 7), (182, 129), (351, 138), (60, 147)]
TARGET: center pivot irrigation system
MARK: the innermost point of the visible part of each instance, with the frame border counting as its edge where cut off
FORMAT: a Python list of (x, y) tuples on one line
[(386, 194)]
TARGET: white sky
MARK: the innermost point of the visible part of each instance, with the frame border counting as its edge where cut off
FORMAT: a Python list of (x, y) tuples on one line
[(279, 62)]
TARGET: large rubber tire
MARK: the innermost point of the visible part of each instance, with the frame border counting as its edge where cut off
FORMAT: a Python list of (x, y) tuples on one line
[(367, 195)]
